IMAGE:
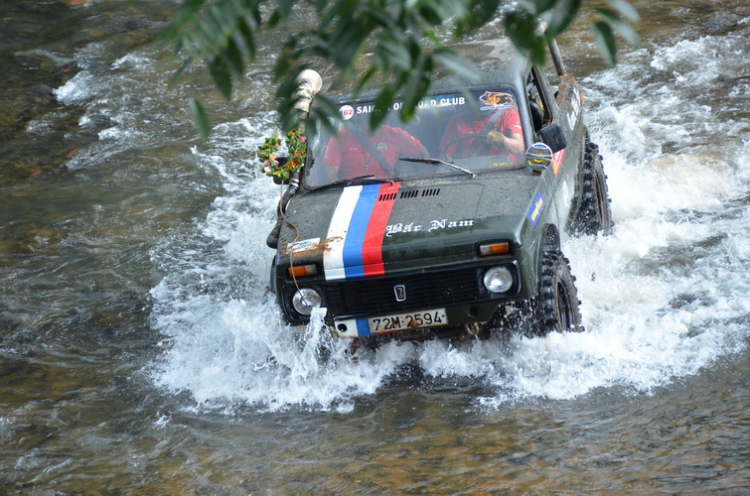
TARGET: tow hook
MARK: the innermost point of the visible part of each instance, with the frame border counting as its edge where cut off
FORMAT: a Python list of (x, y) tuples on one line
[(471, 328)]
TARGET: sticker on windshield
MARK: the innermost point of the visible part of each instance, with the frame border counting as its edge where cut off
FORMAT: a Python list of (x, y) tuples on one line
[(495, 99), (443, 101), (347, 112), (439, 101)]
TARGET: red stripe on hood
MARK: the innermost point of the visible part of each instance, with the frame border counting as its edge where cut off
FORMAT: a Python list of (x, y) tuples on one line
[(372, 248)]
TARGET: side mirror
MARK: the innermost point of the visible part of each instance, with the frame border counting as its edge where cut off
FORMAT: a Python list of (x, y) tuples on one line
[(554, 137), (538, 157)]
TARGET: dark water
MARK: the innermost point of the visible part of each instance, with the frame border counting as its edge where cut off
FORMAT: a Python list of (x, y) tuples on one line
[(140, 354)]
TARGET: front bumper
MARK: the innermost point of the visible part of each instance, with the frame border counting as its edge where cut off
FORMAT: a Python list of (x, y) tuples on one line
[(458, 290)]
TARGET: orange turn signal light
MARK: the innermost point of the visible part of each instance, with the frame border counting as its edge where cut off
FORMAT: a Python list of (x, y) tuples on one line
[(302, 271), (494, 249)]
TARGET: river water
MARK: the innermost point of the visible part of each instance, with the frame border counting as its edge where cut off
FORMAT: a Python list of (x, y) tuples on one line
[(140, 352)]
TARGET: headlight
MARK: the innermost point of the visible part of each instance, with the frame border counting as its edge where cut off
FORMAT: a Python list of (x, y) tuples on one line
[(305, 299), (498, 279)]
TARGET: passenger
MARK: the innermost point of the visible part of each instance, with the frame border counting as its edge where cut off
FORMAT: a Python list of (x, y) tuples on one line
[(500, 131), (357, 152)]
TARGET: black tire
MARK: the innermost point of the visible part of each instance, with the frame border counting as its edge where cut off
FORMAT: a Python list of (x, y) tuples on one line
[(594, 214), (554, 309)]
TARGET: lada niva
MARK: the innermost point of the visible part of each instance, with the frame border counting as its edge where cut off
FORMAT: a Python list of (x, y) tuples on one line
[(448, 225)]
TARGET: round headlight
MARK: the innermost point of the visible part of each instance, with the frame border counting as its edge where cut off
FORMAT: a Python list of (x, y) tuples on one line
[(498, 279), (305, 299)]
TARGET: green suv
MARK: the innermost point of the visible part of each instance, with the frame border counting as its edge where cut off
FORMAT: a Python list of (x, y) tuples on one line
[(448, 225)]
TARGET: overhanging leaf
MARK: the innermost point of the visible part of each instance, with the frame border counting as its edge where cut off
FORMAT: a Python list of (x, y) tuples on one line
[(201, 118), (563, 14), (622, 28), (382, 103), (456, 63), (223, 33), (477, 15), (394, 52), (626, 10), (521, 28), (605, 42), (221, 76)]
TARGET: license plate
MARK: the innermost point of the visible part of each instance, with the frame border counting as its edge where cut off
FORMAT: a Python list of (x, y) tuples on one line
[(408, 321)]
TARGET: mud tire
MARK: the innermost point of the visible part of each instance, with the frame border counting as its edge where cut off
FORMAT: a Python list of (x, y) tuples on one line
[(554, 309), (594, 213)]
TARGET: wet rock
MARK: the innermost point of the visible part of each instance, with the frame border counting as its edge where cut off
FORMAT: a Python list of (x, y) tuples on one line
[(722, 21)]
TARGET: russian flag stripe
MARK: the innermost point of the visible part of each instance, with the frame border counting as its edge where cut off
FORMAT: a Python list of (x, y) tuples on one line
[(333, 258), (355, 238), (372, 251), (355, 235)]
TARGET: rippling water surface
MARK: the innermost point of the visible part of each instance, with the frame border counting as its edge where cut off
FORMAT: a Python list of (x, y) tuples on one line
[(140, 352)]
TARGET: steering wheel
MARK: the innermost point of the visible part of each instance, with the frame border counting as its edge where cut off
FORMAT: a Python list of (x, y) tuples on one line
[(474, 150)]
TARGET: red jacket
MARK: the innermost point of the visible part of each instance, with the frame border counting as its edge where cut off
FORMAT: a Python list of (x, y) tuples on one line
[(346, 151), (463, 124)]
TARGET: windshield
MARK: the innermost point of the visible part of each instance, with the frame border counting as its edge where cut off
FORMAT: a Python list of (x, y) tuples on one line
[(450, 134)]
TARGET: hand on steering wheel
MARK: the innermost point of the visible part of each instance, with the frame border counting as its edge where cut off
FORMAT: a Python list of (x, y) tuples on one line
[(495, 137)]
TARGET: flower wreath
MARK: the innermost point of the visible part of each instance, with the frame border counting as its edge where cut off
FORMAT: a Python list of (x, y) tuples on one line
[(296, 145)]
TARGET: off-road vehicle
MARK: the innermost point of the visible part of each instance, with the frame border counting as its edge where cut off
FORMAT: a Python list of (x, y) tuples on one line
[(418, 231)]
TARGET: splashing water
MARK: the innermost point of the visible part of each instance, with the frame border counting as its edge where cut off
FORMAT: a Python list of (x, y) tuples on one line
[(661, 297)]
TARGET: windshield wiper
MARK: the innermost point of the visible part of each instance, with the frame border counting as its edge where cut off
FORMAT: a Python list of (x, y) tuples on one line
[(356, 179), (434, 161)]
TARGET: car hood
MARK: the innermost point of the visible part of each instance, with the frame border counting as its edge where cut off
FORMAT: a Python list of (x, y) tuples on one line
[(365, 230)]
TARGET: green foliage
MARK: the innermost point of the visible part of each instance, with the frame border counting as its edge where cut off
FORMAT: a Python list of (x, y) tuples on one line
[(200, 117), (604, 30), (400, 36)]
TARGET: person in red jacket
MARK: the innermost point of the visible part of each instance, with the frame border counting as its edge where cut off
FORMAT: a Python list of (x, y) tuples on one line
[(357, 152), (498, 133)]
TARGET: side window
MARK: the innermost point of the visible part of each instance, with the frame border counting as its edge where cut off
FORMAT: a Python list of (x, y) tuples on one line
[(538, 105)]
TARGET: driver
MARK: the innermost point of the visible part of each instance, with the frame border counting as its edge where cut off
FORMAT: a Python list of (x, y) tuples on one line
[(357, 152), (504, 137)]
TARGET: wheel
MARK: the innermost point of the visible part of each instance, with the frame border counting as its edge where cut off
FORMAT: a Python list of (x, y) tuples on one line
[(594, 214), (556, 307)]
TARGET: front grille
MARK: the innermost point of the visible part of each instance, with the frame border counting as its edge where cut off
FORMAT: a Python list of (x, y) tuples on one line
[(423, 291)]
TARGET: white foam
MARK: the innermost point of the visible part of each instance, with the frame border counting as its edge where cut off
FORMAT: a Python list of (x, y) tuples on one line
[(663, 296), (77, 89)]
